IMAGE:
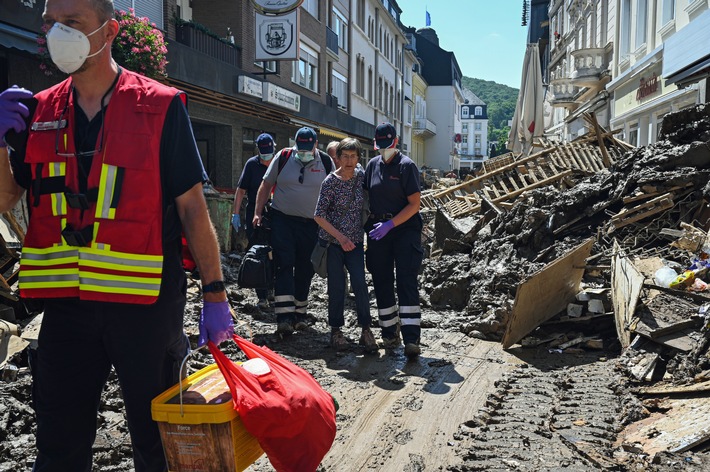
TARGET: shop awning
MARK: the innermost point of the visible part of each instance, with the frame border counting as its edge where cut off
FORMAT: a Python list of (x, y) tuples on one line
[(14, 37), (686, 54)]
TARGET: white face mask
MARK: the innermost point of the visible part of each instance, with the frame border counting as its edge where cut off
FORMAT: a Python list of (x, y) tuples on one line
[(69, 48), (387, 154), (304, 156), (266, 157)]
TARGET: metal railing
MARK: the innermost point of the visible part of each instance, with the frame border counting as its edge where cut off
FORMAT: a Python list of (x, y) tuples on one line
[(189, 35)]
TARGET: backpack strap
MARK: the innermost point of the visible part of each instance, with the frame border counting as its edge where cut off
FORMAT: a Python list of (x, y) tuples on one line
[(283, 159)]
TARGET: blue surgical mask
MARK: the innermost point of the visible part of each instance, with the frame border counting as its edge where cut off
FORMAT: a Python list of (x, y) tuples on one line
[(304, 156), (266, 157)]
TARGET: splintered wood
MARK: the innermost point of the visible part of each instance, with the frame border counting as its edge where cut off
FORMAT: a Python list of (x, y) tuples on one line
[(505, 178)]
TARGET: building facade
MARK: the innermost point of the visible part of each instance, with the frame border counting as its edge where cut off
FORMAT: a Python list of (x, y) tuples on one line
[(356, 68), (657, 40), (474, 131)]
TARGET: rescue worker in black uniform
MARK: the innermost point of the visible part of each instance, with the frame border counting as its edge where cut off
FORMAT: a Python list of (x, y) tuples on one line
[(394, 241)]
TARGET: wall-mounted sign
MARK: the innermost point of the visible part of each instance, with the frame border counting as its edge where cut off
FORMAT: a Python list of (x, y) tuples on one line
[(249, 86), (276, 6), (277, 37), (647, 86), (281, 97)]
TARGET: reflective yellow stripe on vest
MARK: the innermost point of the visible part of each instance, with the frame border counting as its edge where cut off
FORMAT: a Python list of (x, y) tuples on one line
[(59, 201), (39, 268), (147, 283), (107, 187), (92, 257)]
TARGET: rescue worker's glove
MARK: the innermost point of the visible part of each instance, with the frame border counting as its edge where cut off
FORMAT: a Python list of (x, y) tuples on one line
[(12, 112), (216, 323), (380, 230), (236, 222)]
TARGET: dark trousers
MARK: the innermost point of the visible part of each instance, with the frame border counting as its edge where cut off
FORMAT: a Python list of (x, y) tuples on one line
[(292, 240), (399, 254), (79, 342), (354, 262)]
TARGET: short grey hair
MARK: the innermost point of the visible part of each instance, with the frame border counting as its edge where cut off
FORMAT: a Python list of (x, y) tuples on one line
[(103, 8), (349, 144)]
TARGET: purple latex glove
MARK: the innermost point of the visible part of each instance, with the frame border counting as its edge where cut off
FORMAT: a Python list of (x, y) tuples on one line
[(216, 323), (380, 230), (12, 112)]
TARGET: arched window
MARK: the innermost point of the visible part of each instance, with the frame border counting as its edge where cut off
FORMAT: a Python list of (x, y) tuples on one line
[(478, 111)]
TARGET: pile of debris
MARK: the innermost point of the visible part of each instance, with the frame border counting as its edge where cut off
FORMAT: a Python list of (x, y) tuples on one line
[(568, 261)]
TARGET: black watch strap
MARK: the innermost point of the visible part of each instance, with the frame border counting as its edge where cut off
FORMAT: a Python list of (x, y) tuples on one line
[(216, 286)]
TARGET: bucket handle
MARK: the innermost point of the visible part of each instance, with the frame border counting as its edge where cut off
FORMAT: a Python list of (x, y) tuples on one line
[(182, 369)]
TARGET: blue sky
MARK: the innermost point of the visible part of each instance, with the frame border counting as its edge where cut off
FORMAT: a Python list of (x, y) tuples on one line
[(485, 35)]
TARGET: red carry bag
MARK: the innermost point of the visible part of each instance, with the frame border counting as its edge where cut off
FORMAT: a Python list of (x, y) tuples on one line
[(286, 409)]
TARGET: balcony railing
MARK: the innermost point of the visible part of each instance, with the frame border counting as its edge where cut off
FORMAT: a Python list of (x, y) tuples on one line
[(423, 127), (190, 35), (564, 93), (331, 43), (589, 66)]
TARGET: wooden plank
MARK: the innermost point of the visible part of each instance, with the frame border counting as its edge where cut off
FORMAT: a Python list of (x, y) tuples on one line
[(600, 140), (675, 327), (671, 389), (546, 293), (676, 426), (540, 183), (632, 215), (626, 285)]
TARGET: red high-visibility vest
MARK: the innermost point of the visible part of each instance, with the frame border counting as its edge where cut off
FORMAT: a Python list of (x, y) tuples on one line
[(111, 250)]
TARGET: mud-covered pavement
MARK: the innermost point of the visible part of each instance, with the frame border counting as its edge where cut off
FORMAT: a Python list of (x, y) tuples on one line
[(464, 405)]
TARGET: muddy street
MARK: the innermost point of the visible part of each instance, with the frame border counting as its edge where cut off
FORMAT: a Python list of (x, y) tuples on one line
[(464, 405)]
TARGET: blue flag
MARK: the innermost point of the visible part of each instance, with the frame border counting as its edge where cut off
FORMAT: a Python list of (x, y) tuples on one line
[(428, 19)]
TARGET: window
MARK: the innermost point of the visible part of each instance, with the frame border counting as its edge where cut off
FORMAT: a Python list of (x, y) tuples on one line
[(668, 11), (625, 30), (380, 93), (360, 77), (370, 86), (464, 128), (464, 139), (340, 27), (311, 6), (340, 89), (478, 127), (634, 135), (641, 18), (477, 140), (361, 14), (409, 114), (478, 111), (385, 103), (464, 112), (270, 65), (305, 71)]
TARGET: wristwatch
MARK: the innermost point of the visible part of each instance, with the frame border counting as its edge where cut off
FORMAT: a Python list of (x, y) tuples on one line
[(216, 286)]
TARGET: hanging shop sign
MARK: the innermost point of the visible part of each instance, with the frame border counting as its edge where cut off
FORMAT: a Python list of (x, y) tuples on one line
[(276, 7), (277, 37)]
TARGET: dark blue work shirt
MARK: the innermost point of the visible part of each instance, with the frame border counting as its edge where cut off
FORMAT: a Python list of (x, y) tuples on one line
[(252, 176), (389, 185)]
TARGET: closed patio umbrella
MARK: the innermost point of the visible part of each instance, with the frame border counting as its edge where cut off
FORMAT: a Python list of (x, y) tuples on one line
[(528, 117)]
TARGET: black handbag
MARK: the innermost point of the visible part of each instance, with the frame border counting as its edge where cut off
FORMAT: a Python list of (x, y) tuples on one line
[(319, 258), (257, 268)]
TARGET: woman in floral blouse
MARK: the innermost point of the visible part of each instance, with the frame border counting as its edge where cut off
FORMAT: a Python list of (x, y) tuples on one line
[(339, 214)]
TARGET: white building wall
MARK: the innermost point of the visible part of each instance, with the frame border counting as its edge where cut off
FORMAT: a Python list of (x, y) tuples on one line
[(442, 109), (362, 47)]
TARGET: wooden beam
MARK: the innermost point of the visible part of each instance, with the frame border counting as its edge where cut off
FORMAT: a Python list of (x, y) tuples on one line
[(626, 285)]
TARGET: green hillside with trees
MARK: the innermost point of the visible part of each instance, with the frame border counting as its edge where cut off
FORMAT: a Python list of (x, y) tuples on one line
[(501, 106)]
